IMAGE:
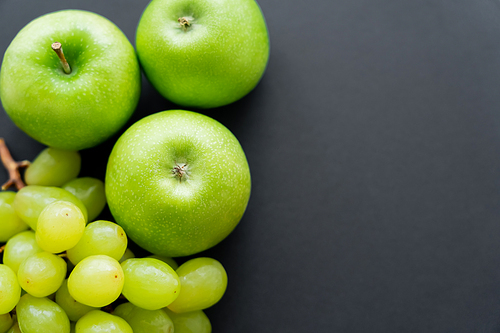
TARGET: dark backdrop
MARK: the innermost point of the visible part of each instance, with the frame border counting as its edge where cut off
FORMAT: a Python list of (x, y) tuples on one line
[(373, 141)]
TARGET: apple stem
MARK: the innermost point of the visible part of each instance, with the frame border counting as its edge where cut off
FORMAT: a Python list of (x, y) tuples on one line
[(57, 47), (184, 23), (180, 170), (12, 167)]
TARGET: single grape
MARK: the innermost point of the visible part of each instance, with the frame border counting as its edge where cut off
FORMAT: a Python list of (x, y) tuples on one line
[(41, 274), (60, 226), (145, 321), (91, 192), (11, 223), (203, 283), (10, 291), (6, 322), (31, 200), (19, 248), (169, 261), (190, 322), (102, 322), (53, 167), (99, 237), (14, 329), (41, 315), (127, 255), (73, 309), (96, 281), (150, 283)]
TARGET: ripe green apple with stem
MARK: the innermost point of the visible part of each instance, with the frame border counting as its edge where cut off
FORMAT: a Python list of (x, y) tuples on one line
[(203, 53), (178, 182), (70, 79)]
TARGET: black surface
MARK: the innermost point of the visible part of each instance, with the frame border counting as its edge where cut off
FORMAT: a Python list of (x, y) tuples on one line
[(373, 141)]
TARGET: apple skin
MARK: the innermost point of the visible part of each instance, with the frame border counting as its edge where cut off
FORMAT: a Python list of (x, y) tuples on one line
[(77, 110), (168, 215), (217, 60)]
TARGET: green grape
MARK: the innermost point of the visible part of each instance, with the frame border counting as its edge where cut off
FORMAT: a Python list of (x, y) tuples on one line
[(19, 248), (31, 200), (169, 261), (41, 274), (6, 322), (60, 226), (145, 321), (101, 322), (91, 192), (73, 309), (53, 167), (11, 223), (14, 329), (190, 322), (127, 255), (41, 315), (10, 291), (203, 283), (99, 237), (96, 281), (150, 283)]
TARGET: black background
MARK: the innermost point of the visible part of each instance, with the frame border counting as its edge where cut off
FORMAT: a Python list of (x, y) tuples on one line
[(373, 141)]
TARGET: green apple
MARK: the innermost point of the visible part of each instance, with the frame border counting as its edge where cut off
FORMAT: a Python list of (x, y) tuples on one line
[(83, 107), (203, 53), (178, 182)]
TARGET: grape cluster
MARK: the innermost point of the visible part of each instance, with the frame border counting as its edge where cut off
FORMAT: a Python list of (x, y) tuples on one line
[(63, 274)]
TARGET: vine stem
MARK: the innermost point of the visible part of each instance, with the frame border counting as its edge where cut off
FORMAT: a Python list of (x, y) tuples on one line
[(12, 167)]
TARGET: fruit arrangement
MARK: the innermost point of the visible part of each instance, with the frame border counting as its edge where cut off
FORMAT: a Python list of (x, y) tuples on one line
[(68, 269), (177, 182)]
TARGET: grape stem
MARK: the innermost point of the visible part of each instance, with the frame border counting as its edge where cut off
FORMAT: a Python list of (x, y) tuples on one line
[(108, 308), (12, 167), (2, 248)]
